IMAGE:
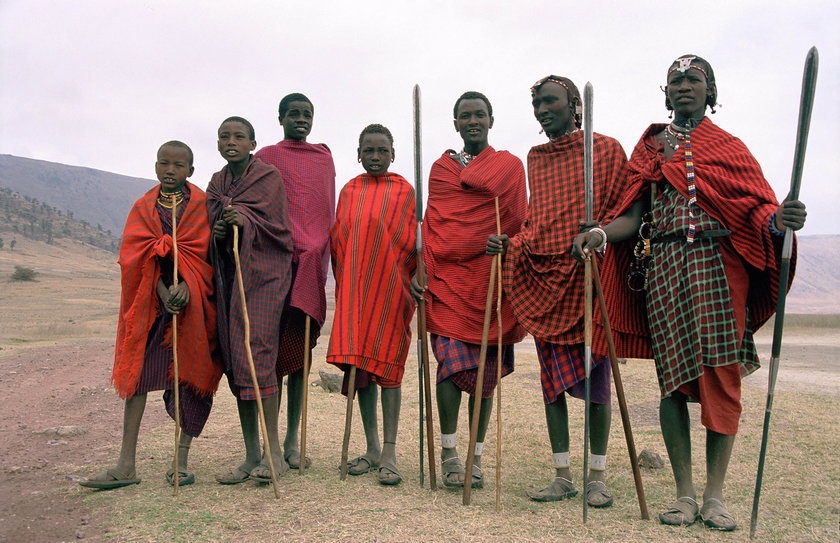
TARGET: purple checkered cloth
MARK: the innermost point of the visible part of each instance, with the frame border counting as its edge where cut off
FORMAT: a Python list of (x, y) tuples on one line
[(561, 370), (458, 362)]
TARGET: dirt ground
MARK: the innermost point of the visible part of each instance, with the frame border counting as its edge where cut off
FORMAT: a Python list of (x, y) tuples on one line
[(58, 411)]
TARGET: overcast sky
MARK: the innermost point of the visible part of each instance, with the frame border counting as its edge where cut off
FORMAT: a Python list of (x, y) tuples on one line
[(102, 83)]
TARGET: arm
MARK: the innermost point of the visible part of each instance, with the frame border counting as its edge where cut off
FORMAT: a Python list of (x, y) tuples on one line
[(622, 228)]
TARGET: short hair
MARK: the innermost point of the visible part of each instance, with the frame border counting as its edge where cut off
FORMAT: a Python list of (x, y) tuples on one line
[(376, 129), (180, 145), (288, 99), (472, 95), (572, 94), (248, 125), (706, 68)]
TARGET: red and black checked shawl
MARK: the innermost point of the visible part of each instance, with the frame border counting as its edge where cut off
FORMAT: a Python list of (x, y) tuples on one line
[(732, 189), (308, 175), (266, 257), (460, 215), (142, 243), (542, 280), (373, 256)]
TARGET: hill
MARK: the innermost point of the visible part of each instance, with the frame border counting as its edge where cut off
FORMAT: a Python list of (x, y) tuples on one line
[(102, 199)]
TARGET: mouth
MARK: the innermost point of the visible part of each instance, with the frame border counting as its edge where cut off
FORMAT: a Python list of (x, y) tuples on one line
[(546, 120), (231, 152), (168, 180)]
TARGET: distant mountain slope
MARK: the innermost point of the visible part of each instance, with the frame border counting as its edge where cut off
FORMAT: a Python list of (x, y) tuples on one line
[(97, 197), (816, 286)]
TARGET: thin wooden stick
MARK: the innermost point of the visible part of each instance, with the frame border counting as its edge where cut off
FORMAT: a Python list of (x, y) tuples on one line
[(348, 420), (256, 383), (175, 377), (426, 383), (619, 392), (479, 384), (499, 370), (307, 354)]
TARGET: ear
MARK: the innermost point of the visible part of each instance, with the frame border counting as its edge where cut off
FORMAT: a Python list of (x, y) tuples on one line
[(359, 155), (393, 154), (192, 169), (280, 119), (253, 144), (491, 122)]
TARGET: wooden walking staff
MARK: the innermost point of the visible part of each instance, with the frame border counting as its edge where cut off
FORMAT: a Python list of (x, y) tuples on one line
[(348, 422), (498, 370), (175, 377), (619, 392), (806, 105), (307, 356), (247, 327), (587, 285), (479, 383), (422, 340)]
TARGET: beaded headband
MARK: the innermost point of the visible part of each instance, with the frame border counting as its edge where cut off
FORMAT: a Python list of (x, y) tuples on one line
[(549, 79), (684, 63)]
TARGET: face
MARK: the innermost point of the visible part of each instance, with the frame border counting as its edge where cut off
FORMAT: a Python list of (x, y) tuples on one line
[(297, 121), (376, 154), (235, 144), (687, 93), (173, 168), (473, 121), (553, 110)]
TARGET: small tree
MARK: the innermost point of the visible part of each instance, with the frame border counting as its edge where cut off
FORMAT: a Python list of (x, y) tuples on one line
[(1, 243), (22, 273), (12, 244)]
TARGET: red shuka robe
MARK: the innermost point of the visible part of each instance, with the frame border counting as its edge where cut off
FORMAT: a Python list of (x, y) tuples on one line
[(373, 255), (142, 243), (460, 215), (543, 281), (731, 188)]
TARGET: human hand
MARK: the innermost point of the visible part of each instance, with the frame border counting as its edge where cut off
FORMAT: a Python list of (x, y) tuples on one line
[(497, 244), (790, 214)]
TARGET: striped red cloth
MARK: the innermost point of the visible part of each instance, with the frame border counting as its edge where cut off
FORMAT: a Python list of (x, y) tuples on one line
[(373, 256), (308, 175), (543, 281), (292, 335), (266, 257), (460, 215), (732, 189), (143, 243)]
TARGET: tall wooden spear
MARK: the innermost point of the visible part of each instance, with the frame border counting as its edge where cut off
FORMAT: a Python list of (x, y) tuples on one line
[(247, 332), (499, 369), (348, 422), (307, 356), (806, 105), (176, 382), (422, 341), (587, 285)]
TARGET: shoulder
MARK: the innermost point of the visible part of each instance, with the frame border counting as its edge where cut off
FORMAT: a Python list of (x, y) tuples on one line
[(196, 192), (610, 144), (507, 158)]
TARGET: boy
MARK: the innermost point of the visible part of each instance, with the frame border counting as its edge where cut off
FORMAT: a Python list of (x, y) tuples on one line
[(143, 354), (373, 256), (308, 174), (249, 194)]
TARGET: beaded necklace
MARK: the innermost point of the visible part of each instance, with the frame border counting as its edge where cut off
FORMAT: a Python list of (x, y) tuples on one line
[(465, 158), (165, 199), (684, 135)]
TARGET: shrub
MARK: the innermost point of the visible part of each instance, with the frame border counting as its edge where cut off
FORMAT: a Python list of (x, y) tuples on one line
[(22, 273)]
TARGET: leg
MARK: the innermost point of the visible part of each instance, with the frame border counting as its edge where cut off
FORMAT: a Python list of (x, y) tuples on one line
[(596, 492), (391, 403), (249, 422), (557, 420), (368, 397), (185, 477), (271, 408), (718, 453), (449, 403), (675, 424), (294, 400), (483, 422), (124, 473)]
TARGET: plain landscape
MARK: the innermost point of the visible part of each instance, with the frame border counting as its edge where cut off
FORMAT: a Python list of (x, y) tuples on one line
[(61, 422)]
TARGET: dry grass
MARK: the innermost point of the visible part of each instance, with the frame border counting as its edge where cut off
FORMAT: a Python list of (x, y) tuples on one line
[(799, 501)]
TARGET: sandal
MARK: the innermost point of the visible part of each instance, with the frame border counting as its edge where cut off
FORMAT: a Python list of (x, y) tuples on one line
[(683, 512), (598, 489), (716, 517), (361, 465), (111, 478), (234, 477), (293, 459), (184, 477), (263, 475), (388, 474), (453, 472), (477, 477), (559, 489)]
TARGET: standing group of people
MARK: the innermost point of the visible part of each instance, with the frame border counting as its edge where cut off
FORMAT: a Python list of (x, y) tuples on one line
[(691, 271)]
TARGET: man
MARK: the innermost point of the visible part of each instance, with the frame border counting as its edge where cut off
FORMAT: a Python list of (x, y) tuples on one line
[(308, 174), (713, 239), (461, 213), (545, 284)]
